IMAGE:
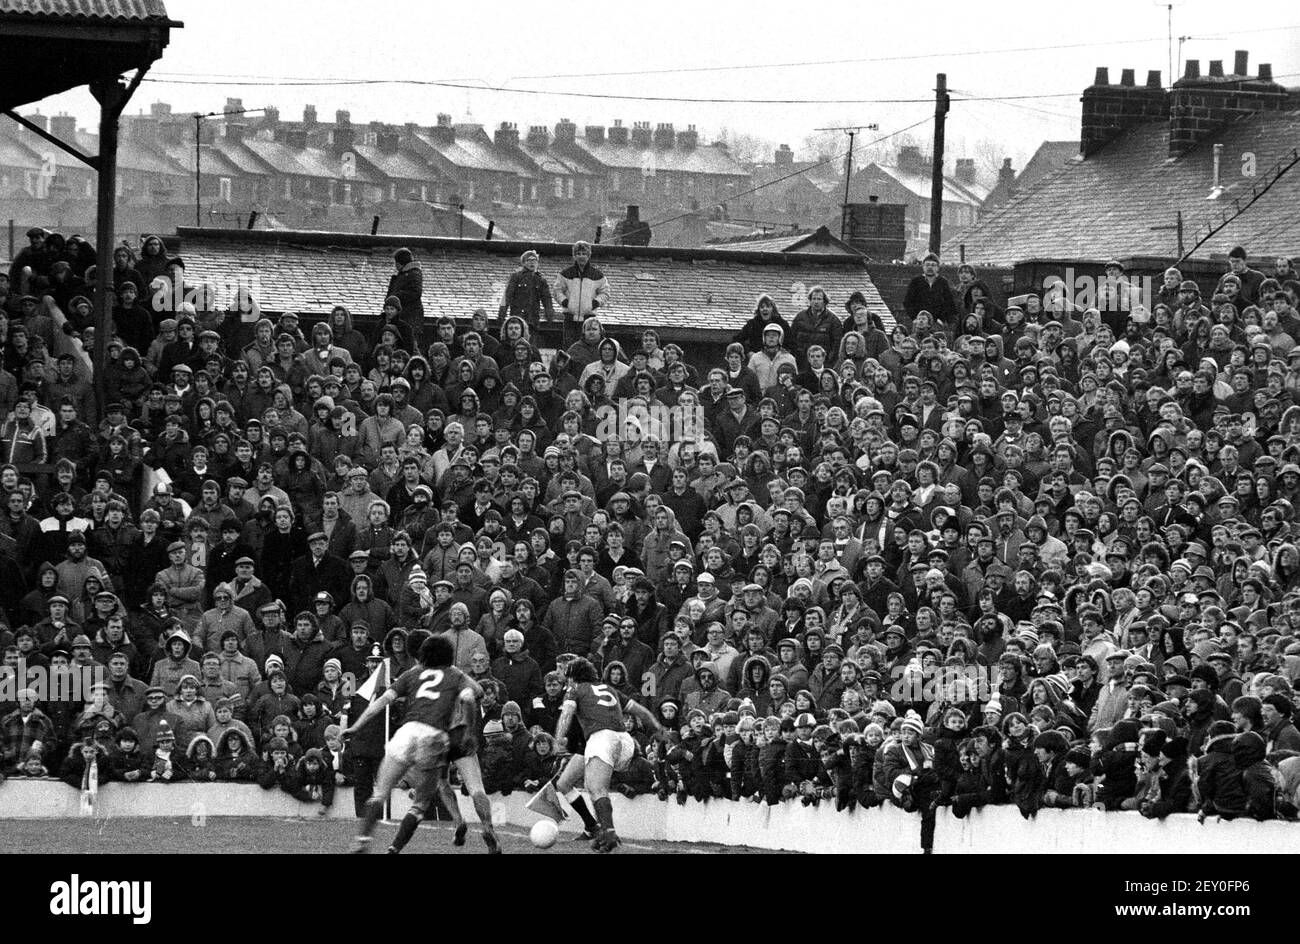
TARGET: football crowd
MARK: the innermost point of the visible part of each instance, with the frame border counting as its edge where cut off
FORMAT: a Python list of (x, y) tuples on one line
[(1009, 551)]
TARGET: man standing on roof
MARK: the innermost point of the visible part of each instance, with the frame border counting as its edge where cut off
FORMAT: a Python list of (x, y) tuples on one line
[(581, 290), (930, 292), (407, 286)]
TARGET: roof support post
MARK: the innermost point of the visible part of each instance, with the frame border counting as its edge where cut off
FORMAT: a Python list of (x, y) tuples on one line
[(112, 96)]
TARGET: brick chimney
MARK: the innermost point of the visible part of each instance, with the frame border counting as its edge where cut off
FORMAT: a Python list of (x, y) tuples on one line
[(594, 134), (271, 117), (1006, 173), (1200, 106), (565, 131), (539, 136), (232, 105), (236, 128), (507, 136), (911, 161), (689, 139), (618, 133), (783, 156), (388, 139), (664, 137), (965, 170), (443, 131), (630, 231), (296, 138), (309, 116), (160, 110), (64, 127), (1109, 110), (36, 118), (642, 135)]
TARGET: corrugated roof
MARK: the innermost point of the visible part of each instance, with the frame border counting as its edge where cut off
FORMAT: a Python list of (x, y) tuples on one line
[(87, 9), (1109, 204), (693, 290)]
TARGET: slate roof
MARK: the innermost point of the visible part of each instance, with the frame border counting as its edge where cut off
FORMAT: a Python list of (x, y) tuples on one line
[(699, 160), (708, 291), (132, 155), (470, 154), (918, 185), (399, 164), (304, 162), (1106, 205), (805, 240), (1050, 156)]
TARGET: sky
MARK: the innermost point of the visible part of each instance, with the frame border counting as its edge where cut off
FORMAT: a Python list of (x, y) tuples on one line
[(516, 59)]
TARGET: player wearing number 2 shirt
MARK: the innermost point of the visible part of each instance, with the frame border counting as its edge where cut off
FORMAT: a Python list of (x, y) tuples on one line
[(599, 711), (432, 691)]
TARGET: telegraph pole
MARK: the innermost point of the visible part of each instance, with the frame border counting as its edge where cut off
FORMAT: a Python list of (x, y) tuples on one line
[(936, 169)]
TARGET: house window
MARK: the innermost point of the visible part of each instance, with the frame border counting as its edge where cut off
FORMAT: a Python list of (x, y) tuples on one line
[(347, 193), (469, 191), (392, 191), (288, 189), (424, 193), (521, 190), (613, 182), (568, 188), (496, 192), (586, 190), (559, 187), (532, 192), (690, 185), (223, 189)]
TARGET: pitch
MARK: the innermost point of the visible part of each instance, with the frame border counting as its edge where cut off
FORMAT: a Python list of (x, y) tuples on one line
[(236, 835)]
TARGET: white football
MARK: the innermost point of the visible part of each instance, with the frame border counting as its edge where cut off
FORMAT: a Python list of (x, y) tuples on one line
[(544, 833)]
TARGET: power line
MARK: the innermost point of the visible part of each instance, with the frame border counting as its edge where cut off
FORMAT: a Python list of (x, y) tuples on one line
[(830, 160), (601, 95), (873, 59)]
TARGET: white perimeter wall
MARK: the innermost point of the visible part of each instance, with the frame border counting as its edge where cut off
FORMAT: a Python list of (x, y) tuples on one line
[(787, 826)]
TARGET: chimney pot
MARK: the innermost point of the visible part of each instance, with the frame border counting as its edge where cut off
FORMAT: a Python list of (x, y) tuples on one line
[(1103, 76), (1266, 72), (342, 118), (1153, 78), (1193, 69), (1241, 62), (309, 115), (1216, 68), (1127, 77)]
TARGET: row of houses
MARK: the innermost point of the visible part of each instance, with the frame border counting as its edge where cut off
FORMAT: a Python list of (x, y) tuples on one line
[(554, 182)]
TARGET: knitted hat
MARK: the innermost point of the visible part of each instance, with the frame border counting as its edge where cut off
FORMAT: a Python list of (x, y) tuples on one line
[(913, 723), (334, 662), (277, 744), (1078, 756), (511, 708), (883, 707)]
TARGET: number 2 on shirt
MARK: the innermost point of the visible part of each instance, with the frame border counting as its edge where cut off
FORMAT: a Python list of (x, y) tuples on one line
[(430, 679)]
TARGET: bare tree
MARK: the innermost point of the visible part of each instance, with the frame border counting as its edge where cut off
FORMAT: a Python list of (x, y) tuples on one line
[(747, 148)]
